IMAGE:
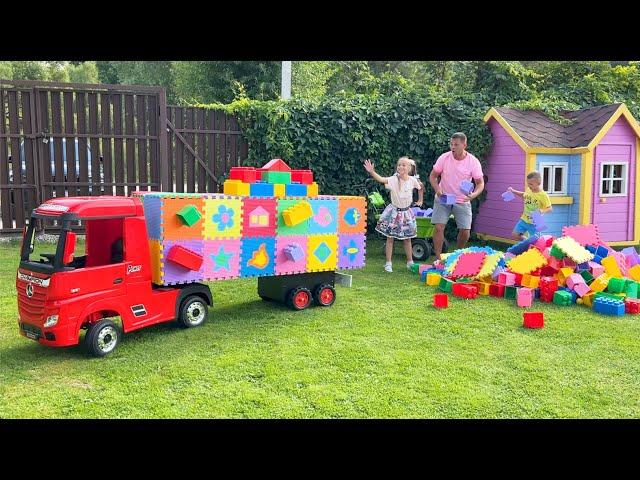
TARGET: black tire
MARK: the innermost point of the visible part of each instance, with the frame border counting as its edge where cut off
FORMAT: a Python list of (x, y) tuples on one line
[(193, 312), (420, 249), (324, 295), (445, 246), (299, 298), (102, 337)]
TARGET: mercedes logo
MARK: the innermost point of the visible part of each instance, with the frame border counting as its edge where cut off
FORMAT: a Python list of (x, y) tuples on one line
[(29, 290)]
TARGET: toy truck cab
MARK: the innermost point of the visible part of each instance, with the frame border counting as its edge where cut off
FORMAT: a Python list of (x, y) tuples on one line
[(61, 292)]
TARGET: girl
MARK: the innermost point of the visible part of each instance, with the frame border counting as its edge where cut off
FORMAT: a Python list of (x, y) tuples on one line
[(397, 219)]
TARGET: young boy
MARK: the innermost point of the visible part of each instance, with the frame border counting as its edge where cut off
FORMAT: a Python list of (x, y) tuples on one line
[(534, 199)]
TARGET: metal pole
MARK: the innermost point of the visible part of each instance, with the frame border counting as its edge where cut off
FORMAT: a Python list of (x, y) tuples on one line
[(285, 92)]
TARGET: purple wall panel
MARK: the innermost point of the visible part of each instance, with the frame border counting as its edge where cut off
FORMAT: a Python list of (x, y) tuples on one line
[(174, 273), (351, 250)]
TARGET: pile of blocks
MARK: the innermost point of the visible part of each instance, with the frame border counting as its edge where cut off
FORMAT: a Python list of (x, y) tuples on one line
[(576, 268), (203, 237)]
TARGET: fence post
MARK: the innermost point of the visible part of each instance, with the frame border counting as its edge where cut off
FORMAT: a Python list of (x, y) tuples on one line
[(162, 141)]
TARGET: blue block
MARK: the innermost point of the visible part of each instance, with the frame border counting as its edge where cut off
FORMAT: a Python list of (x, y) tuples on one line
[(536, 293), (523, 246), (597, 259), (583, 266), (261, 189), (592, 249), (602, 252), (608, 306), (296, 190), (447, 199)]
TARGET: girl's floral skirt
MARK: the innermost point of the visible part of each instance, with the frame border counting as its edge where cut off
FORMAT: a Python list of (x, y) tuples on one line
[(396, 222)]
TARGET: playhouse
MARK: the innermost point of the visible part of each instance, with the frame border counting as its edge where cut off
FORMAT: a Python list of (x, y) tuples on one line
[(588, 168)]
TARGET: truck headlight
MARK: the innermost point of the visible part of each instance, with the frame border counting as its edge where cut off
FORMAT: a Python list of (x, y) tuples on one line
[(51, 321)]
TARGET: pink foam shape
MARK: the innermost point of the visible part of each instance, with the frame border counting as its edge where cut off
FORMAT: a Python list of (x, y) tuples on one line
[(583, 234)]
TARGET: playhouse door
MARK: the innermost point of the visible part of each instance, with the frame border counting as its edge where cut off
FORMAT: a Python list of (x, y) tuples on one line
[(614, 192)]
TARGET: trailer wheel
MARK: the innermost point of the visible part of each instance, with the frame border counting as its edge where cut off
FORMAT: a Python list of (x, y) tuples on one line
[(324, 295), (299, 298), (193, 312), (102, 337), (420, 249)]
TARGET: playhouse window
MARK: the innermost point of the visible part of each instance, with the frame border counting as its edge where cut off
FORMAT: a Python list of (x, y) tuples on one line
[(554, 178), (613, 179)]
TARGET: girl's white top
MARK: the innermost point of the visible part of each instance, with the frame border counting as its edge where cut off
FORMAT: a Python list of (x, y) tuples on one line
[(401, 191)]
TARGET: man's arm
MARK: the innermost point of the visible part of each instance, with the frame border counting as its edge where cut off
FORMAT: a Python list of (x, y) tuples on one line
[(433, 180), (479, 188)]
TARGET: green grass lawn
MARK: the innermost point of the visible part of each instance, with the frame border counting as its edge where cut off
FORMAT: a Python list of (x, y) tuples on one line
[(382, 351)]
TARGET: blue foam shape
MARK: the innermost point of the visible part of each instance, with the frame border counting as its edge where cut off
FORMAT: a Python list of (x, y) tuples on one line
[(332, 207), (153, 216), (250, 245), (295, 190), (523, 246)]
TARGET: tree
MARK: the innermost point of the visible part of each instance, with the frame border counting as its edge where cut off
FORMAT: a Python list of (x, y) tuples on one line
[(83, 72)]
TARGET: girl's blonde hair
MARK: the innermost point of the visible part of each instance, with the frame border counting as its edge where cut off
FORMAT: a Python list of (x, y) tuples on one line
[(412, 162)]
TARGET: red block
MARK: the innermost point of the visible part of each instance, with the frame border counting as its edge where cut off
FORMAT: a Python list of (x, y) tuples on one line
[(533, 320), (441, 300), (548, 283), (464, 290), (185, 257), (547, 271), (546, 296), (631, 305), (245, 174), (302, 176), (518, 278), (496, 290)]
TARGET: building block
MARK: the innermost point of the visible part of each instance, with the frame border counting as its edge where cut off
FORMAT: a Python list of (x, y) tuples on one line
[(277, 165), (447, 199), (632, 289), (296, 190), (463, 290), (496, 290), (600, 283), (586, 276), (441, 300), (581, 289), (261, 189), (573, 249), (554, 263), (557, 252), (538, 221), (634, 272), (608, 306), (597, 259), (567, 262), (511, 292), (602, 251), (533, 319), (524, 297), (548, 283), (611, 267), (294, 252), (530, 281), (544, 241), (244, 174), (562, 297), (445, 285), (527, 262), (631, 255), (536, 293), (302, 176), (616, 285), (588, 298), (276, 177), (279, 190), (236, 188), (189, 215), (467, 187), (423, 267), (184, 257), (433, 279), (508, 196), (596, 269), (563, 274), (483, 288), (583, 234), (523, 245), (298, 213), (632, 306), (573, 279), (312, 190)]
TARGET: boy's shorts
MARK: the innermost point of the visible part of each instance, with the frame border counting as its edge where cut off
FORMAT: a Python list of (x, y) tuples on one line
[(523, 226), (461, 212)]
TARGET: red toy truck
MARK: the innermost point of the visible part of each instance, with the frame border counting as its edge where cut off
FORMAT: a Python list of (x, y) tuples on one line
[(60, 293)]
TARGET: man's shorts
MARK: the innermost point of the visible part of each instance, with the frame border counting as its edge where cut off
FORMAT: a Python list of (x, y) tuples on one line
[(523, 226), (461, 212)]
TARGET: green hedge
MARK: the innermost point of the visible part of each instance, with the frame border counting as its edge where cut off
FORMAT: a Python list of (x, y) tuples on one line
[(333, 136)]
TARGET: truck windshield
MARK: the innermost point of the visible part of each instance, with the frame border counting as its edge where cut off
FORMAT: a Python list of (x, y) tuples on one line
[(43, 253)]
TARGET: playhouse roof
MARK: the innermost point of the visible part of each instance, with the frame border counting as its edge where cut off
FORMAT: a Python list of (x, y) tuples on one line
[(538, 130)]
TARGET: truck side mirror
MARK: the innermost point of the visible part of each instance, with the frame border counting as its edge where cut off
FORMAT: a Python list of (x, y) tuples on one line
[(69, 248)]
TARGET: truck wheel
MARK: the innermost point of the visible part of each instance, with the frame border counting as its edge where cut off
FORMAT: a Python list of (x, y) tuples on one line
[(299, 298), (420, 249), (324, 295), (193, 312), (102, 337)]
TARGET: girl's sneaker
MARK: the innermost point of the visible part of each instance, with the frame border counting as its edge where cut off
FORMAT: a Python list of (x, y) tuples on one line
[(387, 267), (410, 264)]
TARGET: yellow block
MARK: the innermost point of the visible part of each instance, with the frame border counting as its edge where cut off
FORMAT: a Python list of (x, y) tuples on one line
[(600, 283), (611, 267), (563, 274), (588, 299), (279, 189), (433, 279), (235, 187), (634, 272), (298, 213), (312, 190), (483, 288), (530, 281)]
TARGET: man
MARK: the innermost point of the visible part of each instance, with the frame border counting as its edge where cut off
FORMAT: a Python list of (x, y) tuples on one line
[(453, 167)]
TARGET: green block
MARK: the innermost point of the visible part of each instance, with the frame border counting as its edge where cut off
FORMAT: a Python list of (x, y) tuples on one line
[(616, 285), (445, 285), (560, 297), (556, 252), (608, 295), (510, 292), (586, 274), (276, 177), (464, 280), (189, 215), (632, 289), (415, 267)]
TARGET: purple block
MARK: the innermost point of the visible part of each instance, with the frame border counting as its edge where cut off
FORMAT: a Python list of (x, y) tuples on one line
[(294, 252), (508, 196), (538, 221), (428, 212), (447, 199), (466, 187), (631, 256)]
